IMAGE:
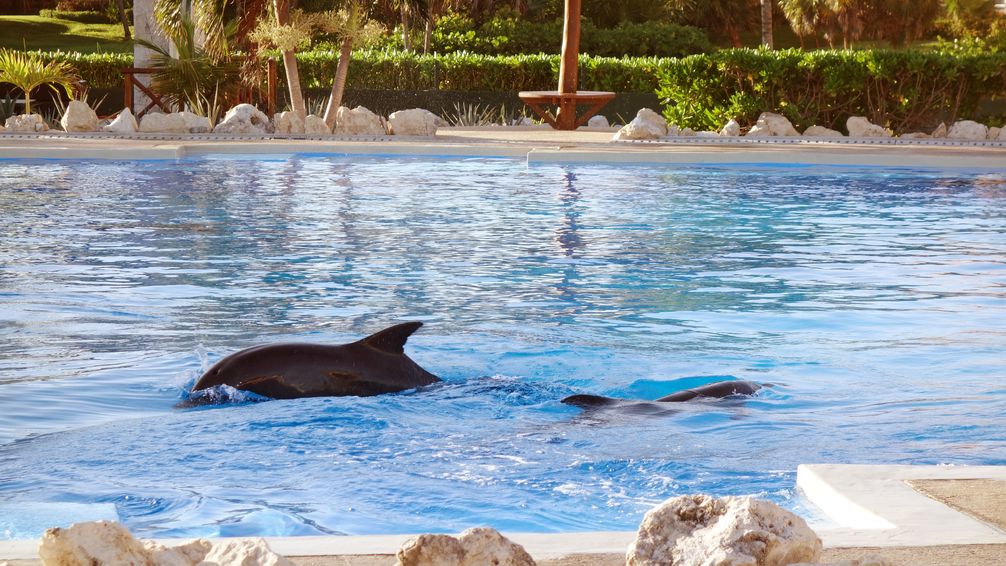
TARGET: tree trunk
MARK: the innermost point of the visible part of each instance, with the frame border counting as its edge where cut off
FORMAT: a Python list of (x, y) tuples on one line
[(121, 7), (427, 33), (339, 85), (766, 23), (290, 64), (406, 36), (735, 36)]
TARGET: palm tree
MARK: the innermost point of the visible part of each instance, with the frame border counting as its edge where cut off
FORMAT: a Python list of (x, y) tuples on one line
[(189, 75), (28, 72), (287, 30), (804, 16), (849, 14), (208, 17), (350, 24), (766, 23), (732, 16)]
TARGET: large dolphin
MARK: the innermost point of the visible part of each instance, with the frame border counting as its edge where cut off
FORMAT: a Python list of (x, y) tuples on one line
[(377, 364), (717, 390)]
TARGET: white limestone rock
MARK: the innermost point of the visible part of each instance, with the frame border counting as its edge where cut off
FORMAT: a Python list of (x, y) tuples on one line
[(647, 125), (915, 136), (98, 542), (731, 531), (244, 119), (431, 550), (316, 125), (358, 122), (243, 552), (860, 127), (968, 130), (413, 122), (156, 122), (524, 121), (994, 132), (598, 121), (26, 123), (1002, 135), (196, 124), (940, 131), (79, 118), (289, 123), (731, 129), (182, 555), (822, 132), (108, 542), (706, 134), (772, 124), (475, 547), (124, 123), (483, 546)]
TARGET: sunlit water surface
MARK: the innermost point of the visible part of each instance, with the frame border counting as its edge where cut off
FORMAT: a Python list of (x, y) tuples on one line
[(872, 300)]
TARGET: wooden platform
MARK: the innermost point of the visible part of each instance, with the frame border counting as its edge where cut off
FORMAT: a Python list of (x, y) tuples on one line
[(565, 118)]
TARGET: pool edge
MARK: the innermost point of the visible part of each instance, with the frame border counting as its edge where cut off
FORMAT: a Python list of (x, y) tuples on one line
[(580, 147)]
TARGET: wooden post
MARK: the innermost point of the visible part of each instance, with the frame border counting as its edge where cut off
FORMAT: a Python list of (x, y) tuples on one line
[(568, 71), (128, 94), (271, 81)]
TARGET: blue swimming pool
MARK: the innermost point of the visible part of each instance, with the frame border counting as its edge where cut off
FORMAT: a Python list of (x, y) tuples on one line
[(872, 300)]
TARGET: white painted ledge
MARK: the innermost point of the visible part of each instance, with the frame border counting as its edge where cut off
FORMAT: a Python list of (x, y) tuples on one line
[(876, 507)]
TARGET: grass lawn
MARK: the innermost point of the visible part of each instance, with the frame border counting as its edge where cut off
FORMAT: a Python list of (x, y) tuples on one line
[(50, 34)]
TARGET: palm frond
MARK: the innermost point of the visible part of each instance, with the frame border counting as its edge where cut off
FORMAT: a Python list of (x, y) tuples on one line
[(27, 71)]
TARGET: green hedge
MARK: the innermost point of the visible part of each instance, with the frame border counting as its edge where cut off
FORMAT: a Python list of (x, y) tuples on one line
[(903, 90), (100, 70), (84, 17), (508, 36), (465, 71)]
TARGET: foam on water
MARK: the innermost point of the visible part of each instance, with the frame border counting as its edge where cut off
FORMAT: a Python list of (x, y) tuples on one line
[(871, 300)]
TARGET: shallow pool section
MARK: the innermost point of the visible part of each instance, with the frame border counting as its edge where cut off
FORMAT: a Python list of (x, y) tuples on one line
[(871, 300)]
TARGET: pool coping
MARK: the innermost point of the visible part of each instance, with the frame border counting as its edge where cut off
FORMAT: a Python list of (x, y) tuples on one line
[(536, 146), (875, 506)]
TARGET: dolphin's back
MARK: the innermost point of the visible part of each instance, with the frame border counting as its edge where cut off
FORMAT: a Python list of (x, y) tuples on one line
[(372, 366)]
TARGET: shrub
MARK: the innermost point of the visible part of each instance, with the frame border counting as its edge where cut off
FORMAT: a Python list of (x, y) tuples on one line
[(99, 70), (84, 17), (466, 71), (509, 36), (81, 5), (903, 90)]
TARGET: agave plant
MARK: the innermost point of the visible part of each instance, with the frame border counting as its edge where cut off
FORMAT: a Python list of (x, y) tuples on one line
[(27, 71)]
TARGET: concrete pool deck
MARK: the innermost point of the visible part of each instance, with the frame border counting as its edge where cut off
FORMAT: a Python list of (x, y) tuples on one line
[(911, 515), (534, 144)]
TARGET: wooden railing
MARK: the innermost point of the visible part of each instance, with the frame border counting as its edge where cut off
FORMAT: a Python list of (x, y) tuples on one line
[(251, 95)]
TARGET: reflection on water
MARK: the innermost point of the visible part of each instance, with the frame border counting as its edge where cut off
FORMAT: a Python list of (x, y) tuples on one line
[(872, 299)]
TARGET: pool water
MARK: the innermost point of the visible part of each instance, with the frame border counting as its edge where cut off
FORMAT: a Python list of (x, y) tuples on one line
[(872, 300)]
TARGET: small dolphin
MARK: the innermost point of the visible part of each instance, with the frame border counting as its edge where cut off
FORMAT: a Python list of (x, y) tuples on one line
[(377, 364), (716, 390)]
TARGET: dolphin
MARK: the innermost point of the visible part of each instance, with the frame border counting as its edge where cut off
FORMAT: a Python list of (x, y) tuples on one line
[(377, 364), (717, 390)]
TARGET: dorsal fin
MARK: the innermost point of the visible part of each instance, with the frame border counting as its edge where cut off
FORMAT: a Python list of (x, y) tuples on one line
[(392, 339)]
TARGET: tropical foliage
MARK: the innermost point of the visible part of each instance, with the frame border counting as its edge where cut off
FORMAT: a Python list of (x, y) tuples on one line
[(903, 90), (190, 76), (507, 35), (28, 71)]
